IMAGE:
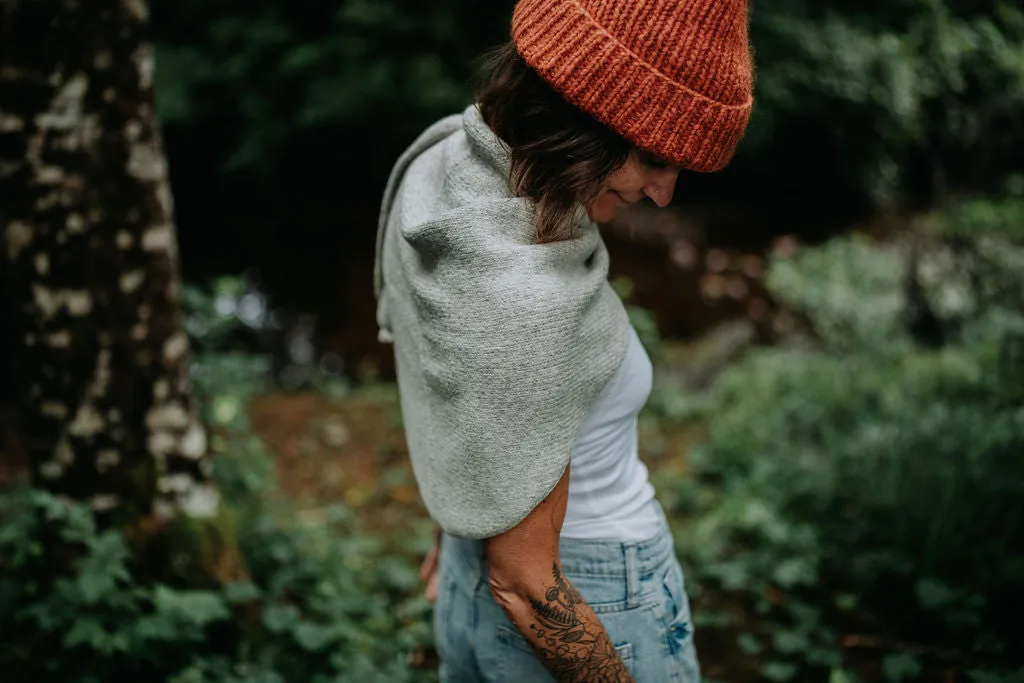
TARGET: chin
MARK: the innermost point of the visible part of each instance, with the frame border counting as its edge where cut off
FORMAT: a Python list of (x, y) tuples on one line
[(600, 212)]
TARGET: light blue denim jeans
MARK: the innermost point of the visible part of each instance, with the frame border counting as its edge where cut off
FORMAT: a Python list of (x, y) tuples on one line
[(636, 589)]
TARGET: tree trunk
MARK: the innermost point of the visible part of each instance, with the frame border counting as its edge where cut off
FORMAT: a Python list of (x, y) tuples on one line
[(90, 263)]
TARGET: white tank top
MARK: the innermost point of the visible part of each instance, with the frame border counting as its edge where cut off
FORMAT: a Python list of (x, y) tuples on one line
[(610, 496)]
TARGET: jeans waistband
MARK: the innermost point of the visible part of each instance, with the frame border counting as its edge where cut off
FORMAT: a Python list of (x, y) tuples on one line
[(622, 559)]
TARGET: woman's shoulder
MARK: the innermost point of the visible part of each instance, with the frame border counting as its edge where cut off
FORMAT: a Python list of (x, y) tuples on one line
[(450, 187)]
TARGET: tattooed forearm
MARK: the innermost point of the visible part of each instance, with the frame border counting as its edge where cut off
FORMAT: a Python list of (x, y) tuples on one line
[(569, 638)]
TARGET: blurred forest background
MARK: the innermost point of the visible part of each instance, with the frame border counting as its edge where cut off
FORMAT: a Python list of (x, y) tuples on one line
[(836, 321)]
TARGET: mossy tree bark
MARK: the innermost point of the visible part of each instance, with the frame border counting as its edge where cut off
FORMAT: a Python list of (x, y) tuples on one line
[(89, 259)]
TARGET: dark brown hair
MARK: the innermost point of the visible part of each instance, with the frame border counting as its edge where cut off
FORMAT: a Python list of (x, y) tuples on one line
[(559, 154)]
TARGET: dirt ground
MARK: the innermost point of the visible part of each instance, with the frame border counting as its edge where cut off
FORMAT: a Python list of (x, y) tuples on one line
[(350, 451)]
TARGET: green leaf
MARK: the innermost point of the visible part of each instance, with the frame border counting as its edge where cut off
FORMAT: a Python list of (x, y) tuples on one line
[(933, 594), (87, 631), (899, 667), (159, 627), (732, 573), (313, 637), (980, 676), (190, 607), (791, 642), (827, 657), (748, 644), (104, 569), (779, 671), (838, 676), (243, 591), (280, 618), (793, 572), (92, 586), (846, 601)]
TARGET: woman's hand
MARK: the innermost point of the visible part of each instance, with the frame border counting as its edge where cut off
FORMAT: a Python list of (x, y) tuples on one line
[(430, 566)]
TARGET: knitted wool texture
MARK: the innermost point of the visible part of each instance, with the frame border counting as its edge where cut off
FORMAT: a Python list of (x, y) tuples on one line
[(501, 344), (671, 76)]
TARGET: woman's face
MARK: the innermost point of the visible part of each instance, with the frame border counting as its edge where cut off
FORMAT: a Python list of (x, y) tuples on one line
[(643, 175)]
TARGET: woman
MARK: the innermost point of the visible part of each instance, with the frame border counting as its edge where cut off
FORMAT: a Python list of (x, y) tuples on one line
[(520, 377)]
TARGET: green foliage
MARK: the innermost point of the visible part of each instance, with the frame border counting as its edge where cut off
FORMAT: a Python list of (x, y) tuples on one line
[(863, 483), (849, 288), (920, 93), (323, 603), (316, 597), (995, 677), (1002, 218), (101, 620), (275, 68), (888, 100), (212, 312), (900, 667)]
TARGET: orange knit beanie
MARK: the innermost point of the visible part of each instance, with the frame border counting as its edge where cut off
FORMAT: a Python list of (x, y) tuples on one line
[(671, 76)]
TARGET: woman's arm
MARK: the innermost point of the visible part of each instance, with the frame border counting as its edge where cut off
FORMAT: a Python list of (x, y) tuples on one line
[(526, 580)]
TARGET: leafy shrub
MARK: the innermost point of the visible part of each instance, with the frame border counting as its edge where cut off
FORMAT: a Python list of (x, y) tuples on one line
[(908, 99), (868, 489), (266, 593), (321, 602)]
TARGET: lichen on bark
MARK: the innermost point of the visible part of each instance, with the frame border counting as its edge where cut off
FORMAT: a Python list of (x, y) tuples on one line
[(90, 260)]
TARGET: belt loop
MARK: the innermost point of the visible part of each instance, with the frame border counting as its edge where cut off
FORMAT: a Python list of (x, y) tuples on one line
[(632, 577)]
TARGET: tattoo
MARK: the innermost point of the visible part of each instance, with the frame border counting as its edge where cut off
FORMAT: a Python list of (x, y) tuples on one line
[(573, 644)]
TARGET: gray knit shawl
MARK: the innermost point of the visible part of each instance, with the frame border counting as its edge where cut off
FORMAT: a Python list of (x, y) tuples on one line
[(501, 344)]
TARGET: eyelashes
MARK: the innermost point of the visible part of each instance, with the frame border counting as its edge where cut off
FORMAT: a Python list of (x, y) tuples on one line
[(651, 160)]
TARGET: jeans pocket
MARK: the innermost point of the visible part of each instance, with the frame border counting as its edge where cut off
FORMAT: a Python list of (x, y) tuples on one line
[(517, 660)]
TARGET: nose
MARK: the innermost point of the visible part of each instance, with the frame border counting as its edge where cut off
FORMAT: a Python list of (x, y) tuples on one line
[(661, 185)]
